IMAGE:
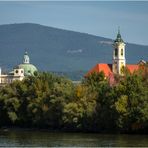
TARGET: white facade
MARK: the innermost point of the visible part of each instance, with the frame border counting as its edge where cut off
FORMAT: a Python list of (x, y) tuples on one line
[(119, 61), (17, 74)]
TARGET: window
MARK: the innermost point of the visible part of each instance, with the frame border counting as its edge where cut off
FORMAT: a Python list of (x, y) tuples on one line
[(121, 52), (116, 52), (16, 71)]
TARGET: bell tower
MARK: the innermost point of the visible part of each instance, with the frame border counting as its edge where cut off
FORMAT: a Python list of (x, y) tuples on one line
[(119, 61)]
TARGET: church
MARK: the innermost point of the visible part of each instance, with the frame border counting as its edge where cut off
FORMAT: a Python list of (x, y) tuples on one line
[(19, 72), (118, 61)]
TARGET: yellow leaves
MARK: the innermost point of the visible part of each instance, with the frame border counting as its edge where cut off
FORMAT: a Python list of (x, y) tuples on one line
[(12, 103), (71, 108), (12, 115), (82, 91), (32, 108), (121, 104), (83, 105), (71, 113), (45, 108), (79, 91)]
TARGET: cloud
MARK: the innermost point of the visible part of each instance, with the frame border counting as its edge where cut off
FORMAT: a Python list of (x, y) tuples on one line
[(75, 51), (106, 42)]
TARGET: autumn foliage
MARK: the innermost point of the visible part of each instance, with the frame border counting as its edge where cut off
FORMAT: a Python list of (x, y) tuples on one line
[(54, 102)]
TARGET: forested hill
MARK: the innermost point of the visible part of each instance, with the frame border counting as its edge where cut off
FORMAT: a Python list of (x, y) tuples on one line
[(53, 49)]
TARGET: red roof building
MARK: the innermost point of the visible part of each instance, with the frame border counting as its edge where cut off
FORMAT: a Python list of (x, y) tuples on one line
[(118, 62), (132, 67), (107, 69)]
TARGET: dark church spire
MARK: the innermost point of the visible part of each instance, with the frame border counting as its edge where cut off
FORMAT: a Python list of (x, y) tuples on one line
[(119, 38)]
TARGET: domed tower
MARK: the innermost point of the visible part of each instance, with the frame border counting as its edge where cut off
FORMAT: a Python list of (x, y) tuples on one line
[(29, 69), (119, 61)]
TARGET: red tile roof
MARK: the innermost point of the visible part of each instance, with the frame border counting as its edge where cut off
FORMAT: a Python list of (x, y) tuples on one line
[(132, 67), (106, 68)]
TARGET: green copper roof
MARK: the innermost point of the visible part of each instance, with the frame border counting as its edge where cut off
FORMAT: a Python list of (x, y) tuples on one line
[(118, 38), (29, 69)]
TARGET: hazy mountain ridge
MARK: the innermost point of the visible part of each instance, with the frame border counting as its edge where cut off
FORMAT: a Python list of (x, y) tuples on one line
[(53, 49)]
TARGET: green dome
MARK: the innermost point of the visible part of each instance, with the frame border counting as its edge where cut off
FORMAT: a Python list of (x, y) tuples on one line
[(29, 69)]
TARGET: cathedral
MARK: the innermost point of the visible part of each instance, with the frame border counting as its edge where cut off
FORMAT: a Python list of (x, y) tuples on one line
[(19, 72), (118, 61)]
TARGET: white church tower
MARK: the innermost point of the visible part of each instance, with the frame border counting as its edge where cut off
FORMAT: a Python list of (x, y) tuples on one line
[(119, 61)]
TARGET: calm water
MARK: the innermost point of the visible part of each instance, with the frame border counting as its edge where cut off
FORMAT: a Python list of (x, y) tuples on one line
[(26, 138)]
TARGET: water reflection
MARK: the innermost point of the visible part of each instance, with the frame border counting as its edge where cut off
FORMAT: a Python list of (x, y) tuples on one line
[(45, 138)]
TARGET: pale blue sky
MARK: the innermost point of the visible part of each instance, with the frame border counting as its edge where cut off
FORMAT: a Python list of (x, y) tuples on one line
[(97, 18)]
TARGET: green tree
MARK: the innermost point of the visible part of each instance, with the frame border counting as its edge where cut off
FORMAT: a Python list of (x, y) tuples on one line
[(78, 114), (132, 102)]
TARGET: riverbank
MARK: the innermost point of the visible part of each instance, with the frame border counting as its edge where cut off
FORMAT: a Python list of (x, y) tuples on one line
[(44, 138), (15, 128)]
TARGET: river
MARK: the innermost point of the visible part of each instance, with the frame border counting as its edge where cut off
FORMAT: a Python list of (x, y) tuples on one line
[(34, 138)]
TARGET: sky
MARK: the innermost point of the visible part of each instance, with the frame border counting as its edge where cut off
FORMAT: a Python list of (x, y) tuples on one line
[(100, 18)]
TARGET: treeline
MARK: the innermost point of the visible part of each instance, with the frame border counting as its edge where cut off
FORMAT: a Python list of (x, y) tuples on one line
[(54, 102)]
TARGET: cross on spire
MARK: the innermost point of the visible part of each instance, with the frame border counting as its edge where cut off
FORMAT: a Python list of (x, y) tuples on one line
[(118, 29)]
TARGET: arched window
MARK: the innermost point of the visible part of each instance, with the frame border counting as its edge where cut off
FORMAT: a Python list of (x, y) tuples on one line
[(121, 52), (116, 52)]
